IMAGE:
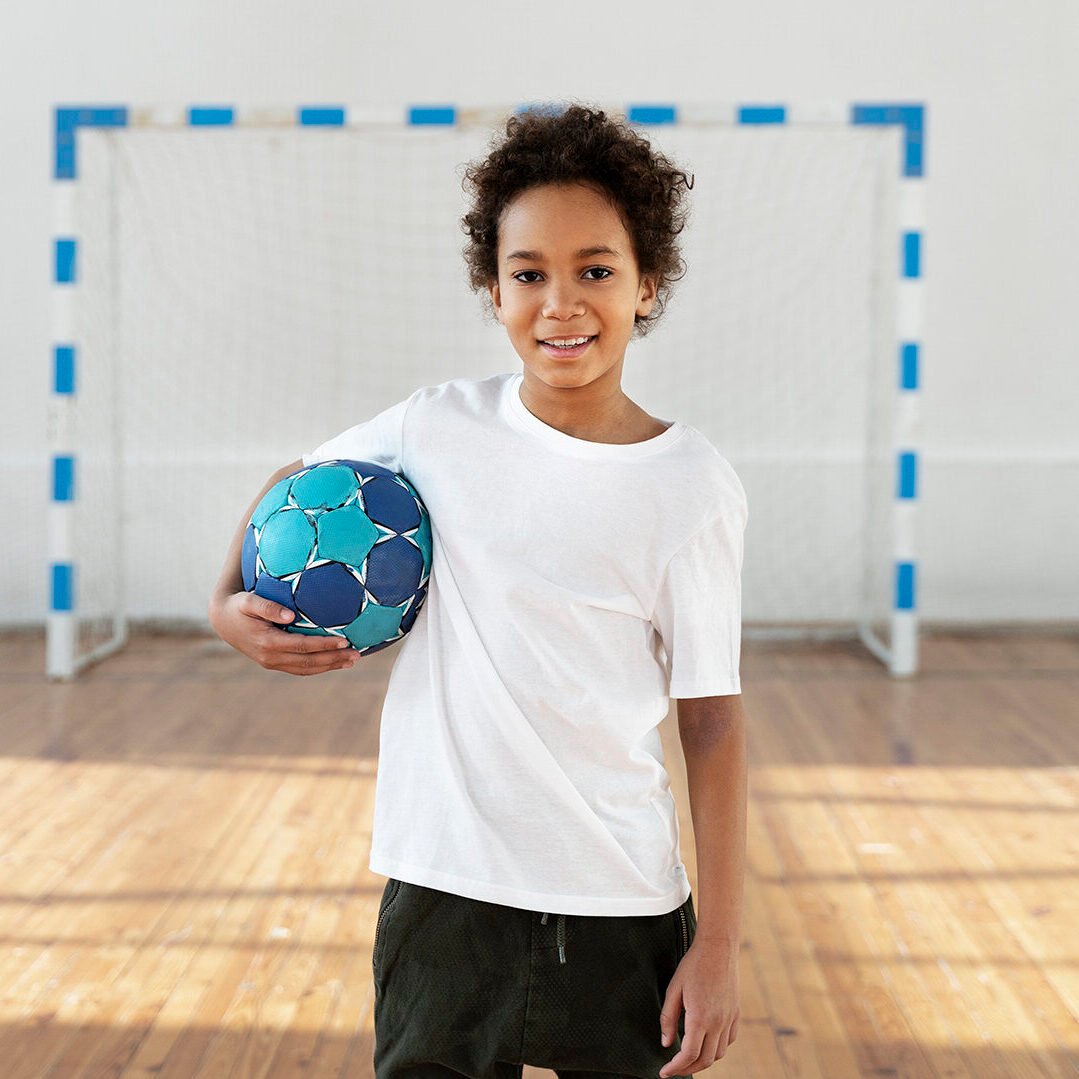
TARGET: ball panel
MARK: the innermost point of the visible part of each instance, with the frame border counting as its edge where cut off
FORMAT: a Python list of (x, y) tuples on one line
[(345, 535), (286, 542), (374, 625), (272, 588), (390, 504), (393, 568), (271, 501), (327, 486), (329, 595)]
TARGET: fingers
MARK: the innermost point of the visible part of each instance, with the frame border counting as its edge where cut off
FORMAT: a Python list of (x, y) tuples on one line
[(691, 1046), (699, 1050), (692, 1040), (304, 654), (668, 1016), (296, 653), (310, 655), (315, 655)]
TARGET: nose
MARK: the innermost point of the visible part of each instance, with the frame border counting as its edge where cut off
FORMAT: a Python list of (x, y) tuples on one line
[(562, 299)]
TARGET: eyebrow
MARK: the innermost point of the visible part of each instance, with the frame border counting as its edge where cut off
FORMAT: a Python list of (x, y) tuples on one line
[(584, 253)]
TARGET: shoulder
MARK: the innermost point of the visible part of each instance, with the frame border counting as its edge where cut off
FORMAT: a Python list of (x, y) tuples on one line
[(466, 394), (721, 487)]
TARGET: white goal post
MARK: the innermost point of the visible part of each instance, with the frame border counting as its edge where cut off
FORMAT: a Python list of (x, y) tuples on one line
[(233, 285)]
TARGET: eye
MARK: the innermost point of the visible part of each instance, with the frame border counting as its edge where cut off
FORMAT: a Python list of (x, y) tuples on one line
[(592, 269)]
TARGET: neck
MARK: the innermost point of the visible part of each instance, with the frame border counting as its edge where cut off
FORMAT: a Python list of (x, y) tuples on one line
[(594, 411)]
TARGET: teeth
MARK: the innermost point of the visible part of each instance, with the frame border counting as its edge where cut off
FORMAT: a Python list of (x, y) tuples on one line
[(567, 344)]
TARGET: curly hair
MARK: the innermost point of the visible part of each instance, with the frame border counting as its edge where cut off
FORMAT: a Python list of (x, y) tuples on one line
[(579, 144)]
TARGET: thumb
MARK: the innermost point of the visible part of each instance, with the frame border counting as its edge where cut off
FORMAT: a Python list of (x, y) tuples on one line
[(668, 1017), (268, 609)]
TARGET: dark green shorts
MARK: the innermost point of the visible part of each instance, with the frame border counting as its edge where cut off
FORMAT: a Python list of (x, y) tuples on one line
[(469, 988)]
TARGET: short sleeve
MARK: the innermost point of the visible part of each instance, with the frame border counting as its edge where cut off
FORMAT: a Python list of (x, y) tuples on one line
[(698, 610), (379, 439)]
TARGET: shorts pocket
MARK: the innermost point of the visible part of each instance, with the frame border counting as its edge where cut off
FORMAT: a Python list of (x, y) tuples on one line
[(389, 897)]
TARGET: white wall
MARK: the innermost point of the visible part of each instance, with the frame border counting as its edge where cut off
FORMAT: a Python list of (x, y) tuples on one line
[(999, 523)]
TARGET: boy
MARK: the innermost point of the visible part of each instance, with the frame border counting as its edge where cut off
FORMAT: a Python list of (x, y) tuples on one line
[(587, 561)]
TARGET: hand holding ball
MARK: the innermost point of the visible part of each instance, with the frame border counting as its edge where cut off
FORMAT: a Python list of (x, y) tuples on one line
[(347, 546)]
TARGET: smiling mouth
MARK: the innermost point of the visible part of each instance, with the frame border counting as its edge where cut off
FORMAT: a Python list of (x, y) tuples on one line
[(565, 345)]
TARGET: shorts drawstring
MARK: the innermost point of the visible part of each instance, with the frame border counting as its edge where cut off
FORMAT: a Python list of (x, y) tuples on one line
[(561, 936)]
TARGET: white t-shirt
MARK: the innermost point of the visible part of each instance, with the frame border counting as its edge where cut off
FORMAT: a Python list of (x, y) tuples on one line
[(575, 587)]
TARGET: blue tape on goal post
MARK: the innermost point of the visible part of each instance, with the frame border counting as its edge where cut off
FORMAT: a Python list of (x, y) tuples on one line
[(904, 586), (63, 369), (908, 475), (912, 254), (321, 117), (911, 118), (62, 589), (64, 262), (908, 366), (210, 116), (432, 114), (67, 122), (63, 478), (762, 114), (652, 114)]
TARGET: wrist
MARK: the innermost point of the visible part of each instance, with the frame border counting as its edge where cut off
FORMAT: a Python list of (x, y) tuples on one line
[(217, 603), (717, 940)]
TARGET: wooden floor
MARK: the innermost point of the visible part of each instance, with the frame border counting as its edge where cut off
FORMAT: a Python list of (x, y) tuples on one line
[(184, 889)]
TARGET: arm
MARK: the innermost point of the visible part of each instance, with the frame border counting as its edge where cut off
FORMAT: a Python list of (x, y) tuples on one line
[(705, 985), (712, 732)]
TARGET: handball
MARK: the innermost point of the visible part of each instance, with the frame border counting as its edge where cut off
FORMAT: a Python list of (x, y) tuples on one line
[(347, 546)]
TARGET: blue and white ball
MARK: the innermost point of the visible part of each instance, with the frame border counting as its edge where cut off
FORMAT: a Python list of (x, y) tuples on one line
[(347, 546)]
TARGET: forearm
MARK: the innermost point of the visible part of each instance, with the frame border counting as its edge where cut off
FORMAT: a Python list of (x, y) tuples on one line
[(716, 770)]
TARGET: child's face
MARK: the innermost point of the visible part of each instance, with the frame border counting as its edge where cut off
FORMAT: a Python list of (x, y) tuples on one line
[(556, 292)]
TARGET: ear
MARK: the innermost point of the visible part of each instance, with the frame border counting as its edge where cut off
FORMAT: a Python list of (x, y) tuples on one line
[(646, 295), (496, 296)]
